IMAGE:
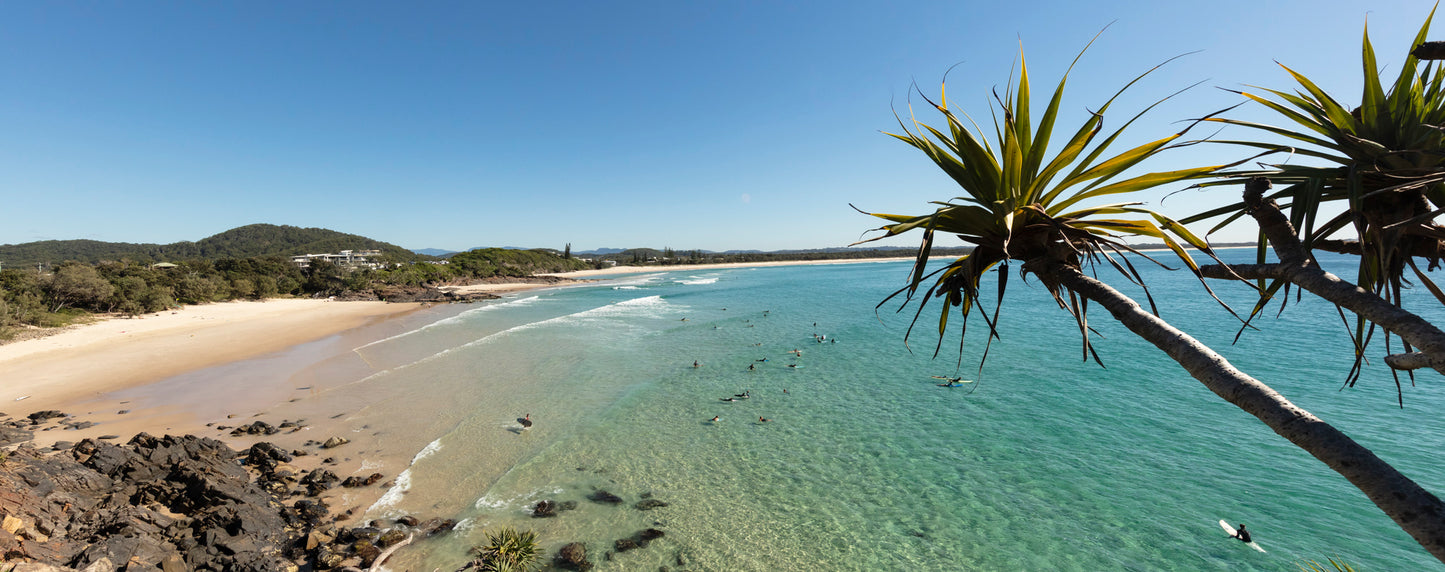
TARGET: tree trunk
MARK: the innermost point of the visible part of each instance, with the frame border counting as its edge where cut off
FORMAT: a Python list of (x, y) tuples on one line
[(1414, 509)]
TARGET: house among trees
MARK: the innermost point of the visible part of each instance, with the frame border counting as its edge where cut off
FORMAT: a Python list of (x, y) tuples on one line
[(352, 258)]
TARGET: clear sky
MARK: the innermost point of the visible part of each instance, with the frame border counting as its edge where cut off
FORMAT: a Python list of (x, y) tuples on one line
[(710, 125)]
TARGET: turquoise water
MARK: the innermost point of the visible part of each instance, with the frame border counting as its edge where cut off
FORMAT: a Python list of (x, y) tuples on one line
[(1046, 462)]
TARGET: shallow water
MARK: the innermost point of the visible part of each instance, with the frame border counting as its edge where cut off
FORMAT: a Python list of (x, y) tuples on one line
[(1046, 462)]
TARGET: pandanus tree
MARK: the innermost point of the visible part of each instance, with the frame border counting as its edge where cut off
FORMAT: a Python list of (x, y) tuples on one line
[(1022, 204), (1384, 161)]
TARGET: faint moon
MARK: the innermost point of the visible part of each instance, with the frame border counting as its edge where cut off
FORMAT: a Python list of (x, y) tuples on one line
[(747, 198)]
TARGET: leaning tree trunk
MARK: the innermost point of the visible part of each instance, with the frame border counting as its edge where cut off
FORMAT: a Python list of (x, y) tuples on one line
[(1414, 509)]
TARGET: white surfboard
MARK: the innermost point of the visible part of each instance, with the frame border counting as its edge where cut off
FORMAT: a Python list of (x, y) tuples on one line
[(1232, 532)]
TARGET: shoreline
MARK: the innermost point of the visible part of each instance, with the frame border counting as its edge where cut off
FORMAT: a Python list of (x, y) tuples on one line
[(108, 355)]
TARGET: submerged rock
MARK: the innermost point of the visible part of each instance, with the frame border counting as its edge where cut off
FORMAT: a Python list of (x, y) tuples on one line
[(649, 504), (604, 497), (573, 557)]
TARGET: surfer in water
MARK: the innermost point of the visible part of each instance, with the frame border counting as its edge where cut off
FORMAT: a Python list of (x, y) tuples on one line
[(1243, 534)]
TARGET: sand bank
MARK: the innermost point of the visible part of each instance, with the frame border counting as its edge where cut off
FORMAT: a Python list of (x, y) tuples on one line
[(60, 370)]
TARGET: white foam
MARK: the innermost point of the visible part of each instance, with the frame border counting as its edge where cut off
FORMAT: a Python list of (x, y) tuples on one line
[(393, 495), (695, 281), (459, 318), (629, 307), (403, 481)]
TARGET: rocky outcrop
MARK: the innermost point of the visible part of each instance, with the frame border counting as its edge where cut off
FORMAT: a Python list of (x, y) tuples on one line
[(176, 503)]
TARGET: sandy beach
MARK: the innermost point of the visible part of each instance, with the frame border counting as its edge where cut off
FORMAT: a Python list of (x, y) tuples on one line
[(58, 371)]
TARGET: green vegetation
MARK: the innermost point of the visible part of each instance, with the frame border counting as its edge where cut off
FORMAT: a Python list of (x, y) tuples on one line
[(72, 290), (251, 241), (508, 551), (1022, 205)]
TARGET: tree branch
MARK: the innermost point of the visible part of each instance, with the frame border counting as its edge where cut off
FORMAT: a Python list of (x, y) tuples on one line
[(1414, 509), (1300, 269), (1245, 271)]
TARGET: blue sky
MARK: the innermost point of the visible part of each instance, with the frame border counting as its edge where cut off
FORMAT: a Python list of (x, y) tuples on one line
[(728, 125)]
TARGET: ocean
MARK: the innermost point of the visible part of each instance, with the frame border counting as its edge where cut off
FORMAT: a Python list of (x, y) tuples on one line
[(1046, 461)]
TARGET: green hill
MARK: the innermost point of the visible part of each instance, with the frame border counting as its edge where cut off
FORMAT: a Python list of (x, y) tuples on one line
[(242, 242)]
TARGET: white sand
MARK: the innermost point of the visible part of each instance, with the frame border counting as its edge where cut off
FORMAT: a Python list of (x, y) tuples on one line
[(118, 353)]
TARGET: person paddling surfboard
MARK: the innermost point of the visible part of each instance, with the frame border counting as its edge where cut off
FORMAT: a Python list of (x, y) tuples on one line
[(1241, 534)]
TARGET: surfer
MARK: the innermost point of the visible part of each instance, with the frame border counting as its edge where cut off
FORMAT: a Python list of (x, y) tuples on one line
[(527, 421), (752, 366), (763, 420), (695, 364), (1243, 534)]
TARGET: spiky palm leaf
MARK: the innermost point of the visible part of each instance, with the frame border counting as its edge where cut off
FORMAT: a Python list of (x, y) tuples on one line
[(508, 550), (1388, 166), (1021, 203)]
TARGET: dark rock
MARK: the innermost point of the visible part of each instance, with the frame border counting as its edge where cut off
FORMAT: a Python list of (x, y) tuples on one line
[(46, 415), (649, 504), (390, 537), (544, 509), (334, 442), (435, 526), (625, 544), (264, 456), (353, 482), (650, 534), (408, 520), (327, 558), (14, 435), (94, 505), (255, 428), (319, 480), (605, 497), (308, 512), (573, 557), (368, 554)]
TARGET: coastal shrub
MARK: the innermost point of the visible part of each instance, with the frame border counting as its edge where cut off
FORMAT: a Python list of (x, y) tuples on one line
[(75, 284), (508, 550)]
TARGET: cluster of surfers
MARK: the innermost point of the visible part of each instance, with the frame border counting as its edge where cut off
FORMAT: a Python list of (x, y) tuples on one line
[(747, 393)]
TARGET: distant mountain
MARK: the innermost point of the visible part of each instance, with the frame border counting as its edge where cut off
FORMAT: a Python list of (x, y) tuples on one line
[(600, 251), (242, 242), (434, 251)]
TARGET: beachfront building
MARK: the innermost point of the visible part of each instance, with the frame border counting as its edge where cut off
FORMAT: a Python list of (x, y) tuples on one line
[(349, 258)]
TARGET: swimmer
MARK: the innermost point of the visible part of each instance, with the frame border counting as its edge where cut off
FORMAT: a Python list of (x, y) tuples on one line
[(695, 364), (763, 420), (752, 366), (715, 418)]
